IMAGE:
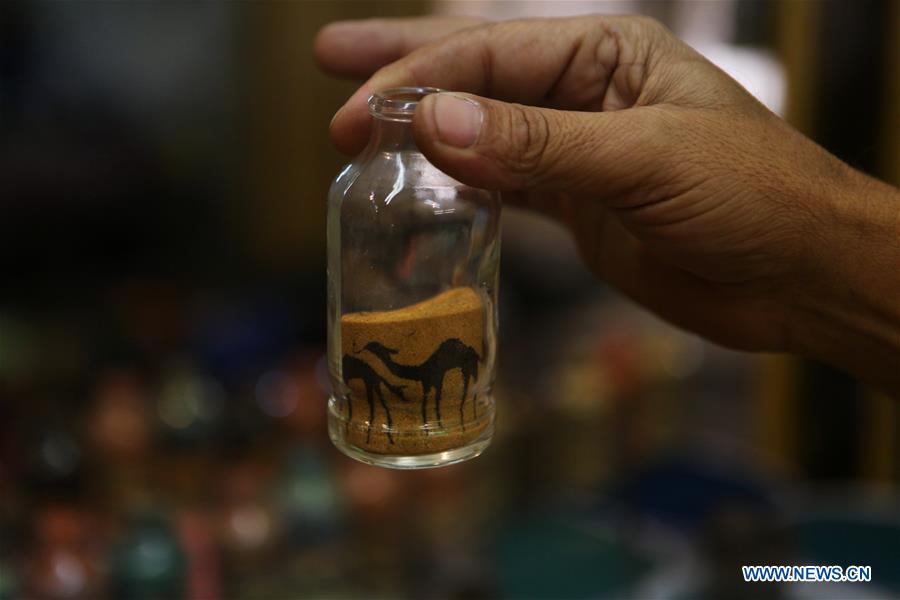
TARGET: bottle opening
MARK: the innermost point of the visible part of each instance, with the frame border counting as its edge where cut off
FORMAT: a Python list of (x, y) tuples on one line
[(398, 104)]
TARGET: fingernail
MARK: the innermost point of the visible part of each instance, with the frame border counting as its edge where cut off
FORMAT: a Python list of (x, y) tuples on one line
[(458, 120)]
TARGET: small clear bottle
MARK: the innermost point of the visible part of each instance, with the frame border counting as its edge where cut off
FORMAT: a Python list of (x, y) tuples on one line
[(413, 262)]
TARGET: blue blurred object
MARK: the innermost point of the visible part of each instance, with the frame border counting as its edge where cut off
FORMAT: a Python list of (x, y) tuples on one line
[(240, 338), (684, 493)]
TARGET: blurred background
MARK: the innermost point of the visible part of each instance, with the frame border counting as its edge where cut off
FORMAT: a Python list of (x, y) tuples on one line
[(163, 172)]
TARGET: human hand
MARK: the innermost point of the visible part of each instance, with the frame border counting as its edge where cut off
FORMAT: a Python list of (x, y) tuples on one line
[(679, 187)]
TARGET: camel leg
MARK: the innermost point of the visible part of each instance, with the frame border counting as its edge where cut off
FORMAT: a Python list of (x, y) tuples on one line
[(387, 414), (371, 411), (462, 403), (349, 402), (425, 391), (474, 376), (437, 402)]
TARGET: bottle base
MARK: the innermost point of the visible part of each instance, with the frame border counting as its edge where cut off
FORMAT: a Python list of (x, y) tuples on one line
[(338, 432)]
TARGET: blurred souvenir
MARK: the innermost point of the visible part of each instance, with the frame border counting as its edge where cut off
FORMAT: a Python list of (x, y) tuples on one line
[(588, 560), (67, 559), (197, 536), (248, 526), (8, 583), (295, 393), (58, 454), (190, 405), (308, 498), (370, 492), (148, 563), (121, 423)]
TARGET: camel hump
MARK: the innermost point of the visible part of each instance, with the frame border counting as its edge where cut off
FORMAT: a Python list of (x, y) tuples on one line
[(457, 347)]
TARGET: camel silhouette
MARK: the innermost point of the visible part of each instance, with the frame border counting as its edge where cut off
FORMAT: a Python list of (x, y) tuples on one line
[(451, 354), (355, 368)]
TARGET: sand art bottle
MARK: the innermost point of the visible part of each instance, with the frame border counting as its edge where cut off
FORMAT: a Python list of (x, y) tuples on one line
[(413, 259)]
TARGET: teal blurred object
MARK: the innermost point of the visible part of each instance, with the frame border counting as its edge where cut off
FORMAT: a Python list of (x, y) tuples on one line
[(556, 558), (8, 587), (308, 497), (148, 564), (845, 539)]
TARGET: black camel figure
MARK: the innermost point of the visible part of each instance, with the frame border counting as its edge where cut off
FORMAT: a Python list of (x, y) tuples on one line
[(355, 368), (451, 354)]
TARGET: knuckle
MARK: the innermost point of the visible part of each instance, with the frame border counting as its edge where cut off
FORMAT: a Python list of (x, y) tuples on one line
[(489, 28), (649, 24), (476, 33), (649, 31), (480, 34), (529, 138)]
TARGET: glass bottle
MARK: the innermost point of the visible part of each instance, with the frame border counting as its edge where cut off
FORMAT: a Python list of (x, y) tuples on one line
[(413, 258)]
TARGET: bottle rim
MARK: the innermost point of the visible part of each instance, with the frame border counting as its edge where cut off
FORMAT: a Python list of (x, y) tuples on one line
[(398, 104)]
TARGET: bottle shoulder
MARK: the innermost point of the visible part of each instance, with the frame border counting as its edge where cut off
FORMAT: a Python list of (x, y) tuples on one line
[(388, 179), (345, 178)]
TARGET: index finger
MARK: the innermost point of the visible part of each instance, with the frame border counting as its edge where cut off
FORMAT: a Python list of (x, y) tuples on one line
[(359, 48), (562, 63)]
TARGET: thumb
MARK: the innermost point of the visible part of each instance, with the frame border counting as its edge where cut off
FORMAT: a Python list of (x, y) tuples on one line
[(511, 147)]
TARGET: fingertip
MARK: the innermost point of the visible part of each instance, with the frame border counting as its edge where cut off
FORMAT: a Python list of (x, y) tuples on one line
[(350, 126), (356, 48), (322, 46), (347, 141), (334, 45)]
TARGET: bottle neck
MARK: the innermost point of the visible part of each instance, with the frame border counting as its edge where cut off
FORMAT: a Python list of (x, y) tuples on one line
[(392, 136)]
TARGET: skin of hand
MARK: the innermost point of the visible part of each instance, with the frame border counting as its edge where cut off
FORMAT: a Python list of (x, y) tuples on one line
[(679, 188)]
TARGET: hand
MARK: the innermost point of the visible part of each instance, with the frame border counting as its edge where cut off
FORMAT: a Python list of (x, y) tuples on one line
[(679, 187)]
